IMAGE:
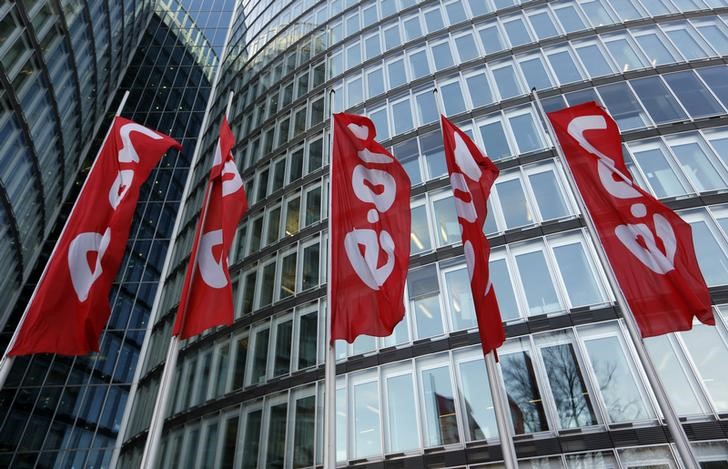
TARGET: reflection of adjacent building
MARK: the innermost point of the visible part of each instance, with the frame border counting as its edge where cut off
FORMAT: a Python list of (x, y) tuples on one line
[(64, 411)]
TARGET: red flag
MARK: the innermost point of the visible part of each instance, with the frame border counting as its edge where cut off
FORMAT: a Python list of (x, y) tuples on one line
[(649, 246), (471, 176), (370, 232), (71, 305), (207, 294)]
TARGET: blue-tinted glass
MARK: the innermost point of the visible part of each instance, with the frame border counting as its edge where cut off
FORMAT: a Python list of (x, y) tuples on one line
[(569, 19), (543, 25), (442, 56), (494, 139), (508, 84), (693, 94), (564, 67), (397, 73), (452, 97), (535, 74), (626, 9), (402, 116), (717, 80), (659, 102), (501, 279), (594, 61), (479, 89), (375, 82), (420, 66), (716, 37), (712, 259), (622, 105), (427, 107), (581, 285), (517, 32), (686, 44), (455, 12), (466, 47), (433, 20), (655, 49), (491, 39), (537, 283), (412, 28)]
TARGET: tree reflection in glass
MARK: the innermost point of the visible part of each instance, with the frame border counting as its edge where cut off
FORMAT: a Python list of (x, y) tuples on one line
[(567, 386), (524, 398)]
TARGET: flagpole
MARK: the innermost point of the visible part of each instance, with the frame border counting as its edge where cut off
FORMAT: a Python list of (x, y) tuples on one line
[(673, 422), (502, 414), (7, 361), (330, 364), (154, 435)]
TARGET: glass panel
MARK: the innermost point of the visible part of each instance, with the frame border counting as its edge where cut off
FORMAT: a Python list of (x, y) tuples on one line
[(313, 206), (479, 89), (304, 431), (401, 414), (460, 298), (293, 213), (659, 102), (500, 276), (569, 18), (402, 116), (420, 234), (535, 73), (288, 275), (523, 394), (367, 432), (240, 360), (442, 56), (477, 401), (267, 285), (423, 288), (540, 294), (310, 267), (513, 197), (465, 45), (208, 456), (397, 73), (418, 64), (494, 140), (709, 351), (600, 460), (452, 97), (624, 54), (229, 445), (276, 440), (568, 387), (622, 396), (693, 94), (408, 154), (686, 43), (548, 195), (491, 39), (252, 439), (660, 175), (673, 376), (543, 25), (696, 163), (446, 221), (622, 105), (564, 67), (594, 61), (274, 223), (517, 32), (528, 138), (307, 340), (655, 49), (260, 357), (713, 261), (426, 107), (284, 333), (577, 274), (508, 84), (440, 413)]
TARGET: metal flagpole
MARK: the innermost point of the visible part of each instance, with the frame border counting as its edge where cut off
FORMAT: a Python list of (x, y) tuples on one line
[(7, 361), (673, 422), (330, 364), (154, 436), (500, 403)]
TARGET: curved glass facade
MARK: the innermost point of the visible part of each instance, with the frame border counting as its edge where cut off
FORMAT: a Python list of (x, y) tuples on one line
[(61, 62), (251, 395)]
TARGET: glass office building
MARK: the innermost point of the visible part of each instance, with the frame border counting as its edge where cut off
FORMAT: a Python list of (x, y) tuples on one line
[(251, 395), (64, 411)]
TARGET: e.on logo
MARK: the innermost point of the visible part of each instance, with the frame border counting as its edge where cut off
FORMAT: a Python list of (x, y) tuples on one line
[(363, 181), (638, 238), (89, 243)]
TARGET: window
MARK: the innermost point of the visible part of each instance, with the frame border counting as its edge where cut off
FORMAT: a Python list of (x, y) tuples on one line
[(548, 193), (391, 36), (402, 429), (538, 285), (375, 82), (523, 126), (418, 64), (313, 205), (446, 219), (662, 177), (577, 272), (477, 403), (433, 20), (508, 83), (494, 139), (433, 151), (710, 247), (452, 98), (424, 294), (624, 53), (564, 67), (566, 380), (288, 274), (698, 162), (420, 236), (459, 298), (365, 416), (594, 60), (412, 28), (623, 106), (687, 42), (466, 47), (501, 277), (455, 12), (267, 283), (439, 406), (621, 392), (542, 24), (402, 115), (282, 357), (655, 46), (479, 89), (535, 73), (597, 13), (310, 266), (569, 18), (251, 438), (693, 94), (307, 339), (408, 155), (715, 77), (491, 39), (517, 32), (426, 107), (708, 351), (512, 197), (397, 73), (293, 215), (659, 102), (276, 435), (273, 225), (519, 378), (304, 431), (371, 46), (260, 356)]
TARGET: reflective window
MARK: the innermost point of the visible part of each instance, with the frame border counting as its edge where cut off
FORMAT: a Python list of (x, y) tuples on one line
[(424, 294), (420, 235), (476, 397), (402, 434), (517, 32), (658, 100), (658, 168), (494, 140), (460, 298), (508, 84), (524, 396), (693, 94), (537, 283), (562, 63), (441, 426), (442, 56), (479, 89), (367, 432)]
